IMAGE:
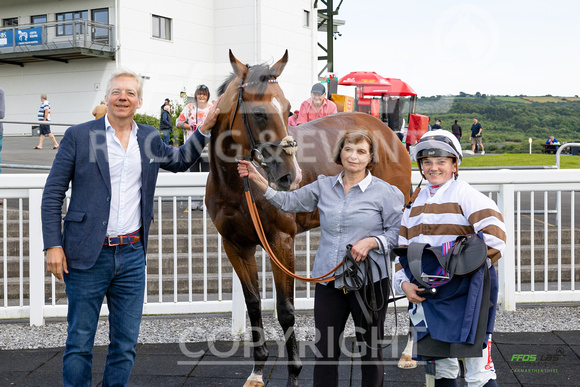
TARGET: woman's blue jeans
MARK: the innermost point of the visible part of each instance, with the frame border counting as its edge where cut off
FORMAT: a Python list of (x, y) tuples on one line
[(118, 274)]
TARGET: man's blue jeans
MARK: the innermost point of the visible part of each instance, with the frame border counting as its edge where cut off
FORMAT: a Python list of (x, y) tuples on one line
[(166, 135), (118, 274)]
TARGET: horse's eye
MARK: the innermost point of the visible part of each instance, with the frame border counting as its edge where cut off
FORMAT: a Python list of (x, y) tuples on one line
[(260, 114)]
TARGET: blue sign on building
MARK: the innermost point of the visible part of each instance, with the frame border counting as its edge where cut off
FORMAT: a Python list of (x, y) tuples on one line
[(28, 36), (7, 38)]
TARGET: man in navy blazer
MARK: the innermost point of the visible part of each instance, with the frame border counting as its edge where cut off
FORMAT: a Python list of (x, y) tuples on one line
[(100, 249)]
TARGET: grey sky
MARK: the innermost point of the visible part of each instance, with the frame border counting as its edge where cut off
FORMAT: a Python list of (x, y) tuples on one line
[(444, 47)]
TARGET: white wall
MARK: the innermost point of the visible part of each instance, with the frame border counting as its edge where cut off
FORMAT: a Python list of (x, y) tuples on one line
[(280, 27), (257, 31), (172, 66)]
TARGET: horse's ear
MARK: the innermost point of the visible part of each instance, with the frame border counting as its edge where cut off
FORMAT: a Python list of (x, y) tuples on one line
[(240, 69), (278, 67)]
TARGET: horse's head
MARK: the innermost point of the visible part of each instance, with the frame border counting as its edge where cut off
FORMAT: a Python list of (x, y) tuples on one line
[(258, 119)]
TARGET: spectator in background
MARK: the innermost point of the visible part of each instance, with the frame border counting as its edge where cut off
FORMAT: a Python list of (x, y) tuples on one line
[(166, 123), (2, 115), (437, 125), (193, 116), (456, 130), (476, 130), (316, 106), (552, 141), (293, 118), (100, 110), (44, 115), (552, 145)]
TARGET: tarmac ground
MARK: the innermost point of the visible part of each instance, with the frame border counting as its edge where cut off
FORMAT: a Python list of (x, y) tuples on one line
[(520, 359), (19, 151)]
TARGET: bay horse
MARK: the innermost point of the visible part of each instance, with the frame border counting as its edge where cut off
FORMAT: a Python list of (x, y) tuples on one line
[(253, 121)]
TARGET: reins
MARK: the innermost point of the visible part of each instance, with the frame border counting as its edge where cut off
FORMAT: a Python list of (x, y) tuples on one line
[(260, 231), (289, 145)]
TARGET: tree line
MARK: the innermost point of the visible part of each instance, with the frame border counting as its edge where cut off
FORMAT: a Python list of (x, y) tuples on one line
[(508, 122)]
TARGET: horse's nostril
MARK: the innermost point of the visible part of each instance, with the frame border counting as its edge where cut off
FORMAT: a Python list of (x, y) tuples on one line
[(284, 183)]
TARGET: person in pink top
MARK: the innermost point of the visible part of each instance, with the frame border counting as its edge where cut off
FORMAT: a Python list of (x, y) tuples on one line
[(292, 120), (316, 106)]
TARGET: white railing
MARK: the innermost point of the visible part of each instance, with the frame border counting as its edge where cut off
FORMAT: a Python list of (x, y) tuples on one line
[(538, 266)]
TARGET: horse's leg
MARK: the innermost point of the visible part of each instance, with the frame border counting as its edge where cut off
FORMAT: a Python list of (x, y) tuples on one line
[(406, 361), (283, 247), (244, 264)]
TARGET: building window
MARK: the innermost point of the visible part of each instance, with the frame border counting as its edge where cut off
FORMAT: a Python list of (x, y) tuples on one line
[(161, 27), (11, 21), (100, 34), (67, 28), (306, 19), (37, 19)]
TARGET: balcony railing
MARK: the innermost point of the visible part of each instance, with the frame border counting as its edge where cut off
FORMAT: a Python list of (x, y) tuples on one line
[(58, 41)]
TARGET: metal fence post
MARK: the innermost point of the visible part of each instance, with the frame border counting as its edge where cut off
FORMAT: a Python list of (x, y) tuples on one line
[(506, 265), (36, 261)]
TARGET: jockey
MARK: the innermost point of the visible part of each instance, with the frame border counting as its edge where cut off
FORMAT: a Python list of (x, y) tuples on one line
[(446, 209)]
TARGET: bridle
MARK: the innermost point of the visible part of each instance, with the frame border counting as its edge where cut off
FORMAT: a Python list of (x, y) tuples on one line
[(288, 144)]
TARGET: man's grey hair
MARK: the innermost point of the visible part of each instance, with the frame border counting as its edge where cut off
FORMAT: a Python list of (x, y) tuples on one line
[(126, 73), (43, 96)]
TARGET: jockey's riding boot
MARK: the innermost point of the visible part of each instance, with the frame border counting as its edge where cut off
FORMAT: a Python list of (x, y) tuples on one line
[(445, 382), (490, 383)]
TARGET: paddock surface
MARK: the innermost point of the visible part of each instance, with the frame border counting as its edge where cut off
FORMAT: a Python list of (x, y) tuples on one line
[(520, 359)]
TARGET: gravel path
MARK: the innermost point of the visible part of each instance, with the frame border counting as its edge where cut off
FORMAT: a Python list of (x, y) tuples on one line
[(19, 335)]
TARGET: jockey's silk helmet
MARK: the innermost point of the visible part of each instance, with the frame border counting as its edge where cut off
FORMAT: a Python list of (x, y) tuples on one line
[(438, 143)]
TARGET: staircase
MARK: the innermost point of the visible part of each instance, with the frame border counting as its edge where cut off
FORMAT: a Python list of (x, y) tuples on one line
[(540, 258)]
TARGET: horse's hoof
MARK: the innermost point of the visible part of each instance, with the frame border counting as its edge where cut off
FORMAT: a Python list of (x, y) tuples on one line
[(292, 382), (253, 384), (406, 362), (254, 381)]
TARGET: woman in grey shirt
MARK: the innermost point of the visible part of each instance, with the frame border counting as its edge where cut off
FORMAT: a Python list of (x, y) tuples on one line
[(355, 208)]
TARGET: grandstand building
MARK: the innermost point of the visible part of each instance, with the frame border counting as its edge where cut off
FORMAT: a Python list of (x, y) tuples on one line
[(67, 49)]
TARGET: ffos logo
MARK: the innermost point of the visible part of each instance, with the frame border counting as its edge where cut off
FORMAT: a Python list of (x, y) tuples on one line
[(522, 357), (547, 357)]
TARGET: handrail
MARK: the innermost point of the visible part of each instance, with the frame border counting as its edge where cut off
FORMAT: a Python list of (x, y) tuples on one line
[(81, 35), (58, 23), (54, 123), (562, 147)]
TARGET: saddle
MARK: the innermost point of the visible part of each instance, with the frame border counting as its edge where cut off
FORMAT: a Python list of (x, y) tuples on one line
[(433, 266), (464, 256)]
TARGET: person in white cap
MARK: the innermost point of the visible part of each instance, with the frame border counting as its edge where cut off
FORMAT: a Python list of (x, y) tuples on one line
[(316, 106), (446, 209)]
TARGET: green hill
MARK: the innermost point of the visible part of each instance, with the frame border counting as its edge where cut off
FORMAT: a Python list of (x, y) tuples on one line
[(508, 121)]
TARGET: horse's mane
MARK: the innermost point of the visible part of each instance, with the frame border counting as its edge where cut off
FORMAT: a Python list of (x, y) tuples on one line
[(256, 79)]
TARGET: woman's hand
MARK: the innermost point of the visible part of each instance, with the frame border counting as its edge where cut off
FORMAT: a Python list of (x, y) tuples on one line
[(361, 248), (247, 169), (411, 290), (210, 119)]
